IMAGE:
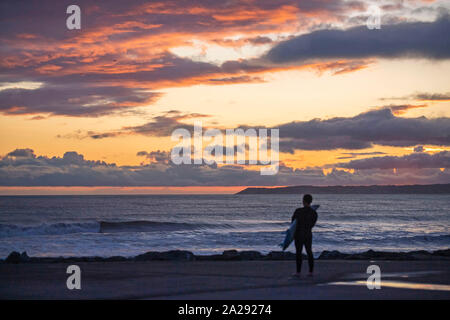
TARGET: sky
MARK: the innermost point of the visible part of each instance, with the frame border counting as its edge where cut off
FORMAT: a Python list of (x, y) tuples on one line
[(92, 110)]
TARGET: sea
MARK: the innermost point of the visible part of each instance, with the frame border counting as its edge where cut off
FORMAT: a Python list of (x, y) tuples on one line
[(129, 225)]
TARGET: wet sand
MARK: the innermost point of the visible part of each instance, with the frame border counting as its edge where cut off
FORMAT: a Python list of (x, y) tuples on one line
[(223, 280)]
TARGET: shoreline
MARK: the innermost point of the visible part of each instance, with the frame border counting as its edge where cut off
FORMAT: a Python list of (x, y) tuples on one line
[(226, 280), (234, 255)]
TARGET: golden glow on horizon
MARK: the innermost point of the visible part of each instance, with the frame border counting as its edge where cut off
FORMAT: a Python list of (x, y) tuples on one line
[(118, 190)]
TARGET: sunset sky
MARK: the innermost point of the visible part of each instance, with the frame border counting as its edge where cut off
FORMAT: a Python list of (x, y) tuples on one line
[(92, 110)]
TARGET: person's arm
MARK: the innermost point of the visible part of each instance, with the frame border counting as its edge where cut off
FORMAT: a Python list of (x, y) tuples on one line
[(293, 216), (314, 220)]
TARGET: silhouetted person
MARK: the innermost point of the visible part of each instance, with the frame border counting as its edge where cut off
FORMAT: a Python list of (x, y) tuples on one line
[(306, 219)]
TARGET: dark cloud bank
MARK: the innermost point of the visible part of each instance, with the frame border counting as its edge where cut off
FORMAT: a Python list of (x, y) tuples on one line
[(22, 167), (411, 161), (379, 127), (414, 39), (375, 127)]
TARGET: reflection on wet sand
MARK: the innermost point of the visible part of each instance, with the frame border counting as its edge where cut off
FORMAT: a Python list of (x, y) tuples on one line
[(397, 284)]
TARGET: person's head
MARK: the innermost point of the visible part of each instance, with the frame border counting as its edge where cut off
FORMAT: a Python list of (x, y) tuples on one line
[(307, 199)]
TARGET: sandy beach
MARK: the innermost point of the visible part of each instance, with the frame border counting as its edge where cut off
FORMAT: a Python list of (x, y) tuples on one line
[(225, 280)]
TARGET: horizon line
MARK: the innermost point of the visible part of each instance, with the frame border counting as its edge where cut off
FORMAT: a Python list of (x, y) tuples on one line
[(153, 190)]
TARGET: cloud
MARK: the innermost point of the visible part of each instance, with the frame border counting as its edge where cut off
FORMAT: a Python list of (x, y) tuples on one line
[(189, 16), (143, 30), (362, 131), (401, 109), (432, 96), (403, 40), (27, 157), (73, 100), (423, 96), (351, 155), (93, 92), (156, 156), (122, 55), (159, 126), (417, 160), (25, 153), (72, 169), (259, 40), (239, 79), (375, 127)]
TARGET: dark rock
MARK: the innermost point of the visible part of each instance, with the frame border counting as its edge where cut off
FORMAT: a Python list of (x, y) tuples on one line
[(419, 255), (369, 254), (211, 257), (250, 255), (116, 258), (24, 257), (93, 259), (231, 255), (332, 255), (173, 255), (442, 253), (16, 257), (178, 255), (148, 256)]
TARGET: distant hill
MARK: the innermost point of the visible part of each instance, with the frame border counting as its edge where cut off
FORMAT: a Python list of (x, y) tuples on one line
[(408, 189)]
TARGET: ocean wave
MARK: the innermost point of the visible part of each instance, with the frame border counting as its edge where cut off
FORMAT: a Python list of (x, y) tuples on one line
[(252, 231), (148, 226), (425, 238), (8, 230), (380, 239)]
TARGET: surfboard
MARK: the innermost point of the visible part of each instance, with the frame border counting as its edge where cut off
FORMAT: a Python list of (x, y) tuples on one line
[(289, 237)]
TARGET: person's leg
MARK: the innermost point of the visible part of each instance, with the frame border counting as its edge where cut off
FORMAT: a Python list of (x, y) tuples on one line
[(308, 247), (298, 249)]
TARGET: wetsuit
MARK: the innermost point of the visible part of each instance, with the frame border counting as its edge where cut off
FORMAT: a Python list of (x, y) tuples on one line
[(306, 219)]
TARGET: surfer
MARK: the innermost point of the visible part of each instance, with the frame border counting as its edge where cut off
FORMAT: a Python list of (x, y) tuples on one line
[(306, 219)]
